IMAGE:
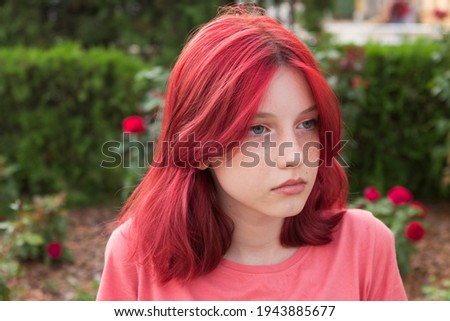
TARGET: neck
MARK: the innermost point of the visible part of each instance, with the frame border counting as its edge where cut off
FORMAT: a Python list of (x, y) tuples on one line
[(256, 241)]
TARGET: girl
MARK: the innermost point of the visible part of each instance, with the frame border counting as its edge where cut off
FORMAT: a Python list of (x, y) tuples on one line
[(245, 199)]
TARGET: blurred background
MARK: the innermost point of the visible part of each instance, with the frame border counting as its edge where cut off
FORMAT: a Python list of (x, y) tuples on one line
[(81, 97)]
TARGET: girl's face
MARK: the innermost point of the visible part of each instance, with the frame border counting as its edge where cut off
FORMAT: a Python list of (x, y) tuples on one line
[(273, 172)]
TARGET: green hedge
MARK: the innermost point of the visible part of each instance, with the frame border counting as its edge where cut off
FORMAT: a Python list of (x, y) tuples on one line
[(58, 107), (158, 28), (397, 113)]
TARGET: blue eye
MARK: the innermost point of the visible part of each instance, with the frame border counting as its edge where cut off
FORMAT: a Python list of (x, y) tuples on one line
[(308, 124), (258, 129)]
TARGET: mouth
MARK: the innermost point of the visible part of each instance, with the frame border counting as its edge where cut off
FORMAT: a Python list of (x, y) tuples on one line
[(291, 187)]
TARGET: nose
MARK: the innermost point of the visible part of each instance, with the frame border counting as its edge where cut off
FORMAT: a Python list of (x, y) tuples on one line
[(289, 152)]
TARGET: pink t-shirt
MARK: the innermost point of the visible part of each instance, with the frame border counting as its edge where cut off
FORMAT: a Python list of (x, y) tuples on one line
[(359, 264)]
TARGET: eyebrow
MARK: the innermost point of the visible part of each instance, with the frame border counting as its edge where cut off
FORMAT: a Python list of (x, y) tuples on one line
[(268, 115)]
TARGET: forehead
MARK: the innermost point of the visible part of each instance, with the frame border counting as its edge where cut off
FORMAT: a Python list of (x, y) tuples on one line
[(288, 91)]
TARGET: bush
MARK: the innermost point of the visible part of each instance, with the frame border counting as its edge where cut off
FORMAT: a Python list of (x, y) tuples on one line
[(437, 292), (395, 101), (9, 270), (313, 14), (38, 231), (140, 132), (63, 104), (401, 214), (157, 29), (8, 188)]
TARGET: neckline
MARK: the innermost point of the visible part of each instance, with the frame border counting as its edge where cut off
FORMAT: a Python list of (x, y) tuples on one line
[(272, 268)]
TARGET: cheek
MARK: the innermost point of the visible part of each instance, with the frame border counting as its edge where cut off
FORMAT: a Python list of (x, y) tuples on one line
[(240, 174), (311, 152), (248, 161)]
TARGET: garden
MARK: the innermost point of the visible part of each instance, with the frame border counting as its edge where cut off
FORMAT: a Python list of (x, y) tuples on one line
[(82, 108)]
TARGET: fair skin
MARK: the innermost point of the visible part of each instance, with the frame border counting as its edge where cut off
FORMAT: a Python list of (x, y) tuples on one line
[(251, 195)]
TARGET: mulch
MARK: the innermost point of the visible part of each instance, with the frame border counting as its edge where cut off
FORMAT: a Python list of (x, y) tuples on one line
[(431, 264), (91, 227), (89, 230)]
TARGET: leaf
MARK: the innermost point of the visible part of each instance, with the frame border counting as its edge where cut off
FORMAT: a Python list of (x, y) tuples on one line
[(33, 239), (8, 226)]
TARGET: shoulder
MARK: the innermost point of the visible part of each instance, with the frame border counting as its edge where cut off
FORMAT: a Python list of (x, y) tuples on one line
[(372, 244), (120, 237), (358, 224), (119, 280), (364, 242), (119, 250), (365, 220)]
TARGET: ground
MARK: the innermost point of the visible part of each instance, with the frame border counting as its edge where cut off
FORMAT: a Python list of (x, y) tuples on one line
[(90, 228)]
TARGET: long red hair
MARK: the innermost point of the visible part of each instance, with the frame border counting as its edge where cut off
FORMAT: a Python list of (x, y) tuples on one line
[(215, 88)]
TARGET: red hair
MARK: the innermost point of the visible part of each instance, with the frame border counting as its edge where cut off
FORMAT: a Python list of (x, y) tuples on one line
[(214, 91)]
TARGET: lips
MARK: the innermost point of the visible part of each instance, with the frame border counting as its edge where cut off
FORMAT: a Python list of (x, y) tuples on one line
[(291, 182), (291, 187)]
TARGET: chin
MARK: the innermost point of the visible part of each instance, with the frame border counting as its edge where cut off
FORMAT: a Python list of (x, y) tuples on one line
[(292, 210)]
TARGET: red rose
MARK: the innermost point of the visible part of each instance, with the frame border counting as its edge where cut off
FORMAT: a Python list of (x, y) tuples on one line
[(54, 249), (399, 195), (414, 231), (422, 209), (371, 193), (440, 14), (133, 124)]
